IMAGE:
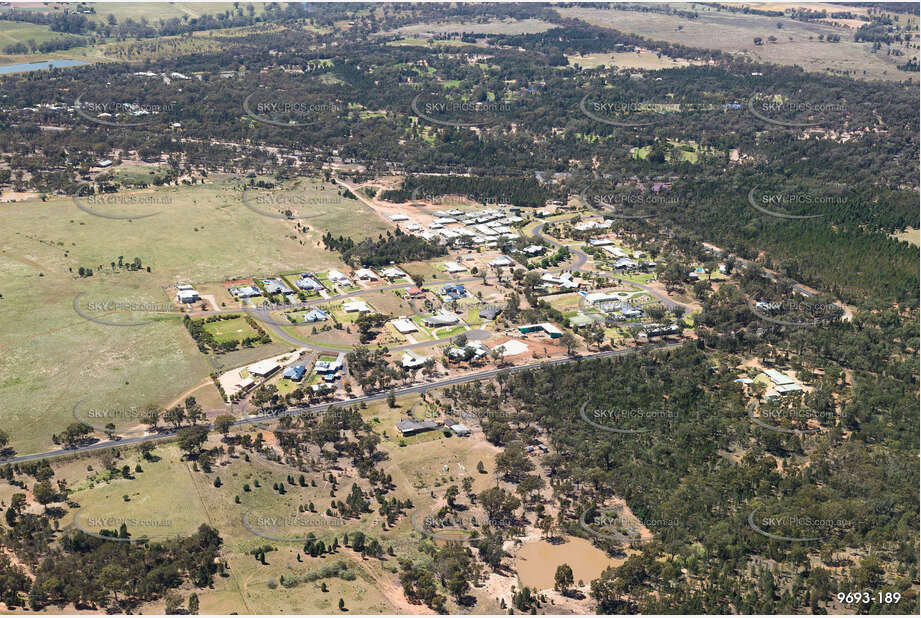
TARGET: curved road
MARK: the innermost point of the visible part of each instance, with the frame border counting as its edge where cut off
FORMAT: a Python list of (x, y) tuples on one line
[(581, 257)]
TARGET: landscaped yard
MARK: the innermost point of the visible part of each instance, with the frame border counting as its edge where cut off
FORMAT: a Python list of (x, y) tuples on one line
[(451, 331)]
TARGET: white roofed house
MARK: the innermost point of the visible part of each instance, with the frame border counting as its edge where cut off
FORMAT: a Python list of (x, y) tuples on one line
[(328, 367), (356, 306), (454, 267), (411, 360), (442, 318), (592, 225), (474, 350), (501, 261), (533, 250), (615, 251), (263, 368), (392, 272), (306, 282), (276, 286), (338, 278), (593, 298), (564, 280), (600, 242), (366, 274), (405, 326), (246, 291), (187, 296), (778, 377)]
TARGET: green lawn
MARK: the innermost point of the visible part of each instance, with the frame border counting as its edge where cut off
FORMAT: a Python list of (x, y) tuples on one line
[(204, 234), (451, 331), (236, 329)]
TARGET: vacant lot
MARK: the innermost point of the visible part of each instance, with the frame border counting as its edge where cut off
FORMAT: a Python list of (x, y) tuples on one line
[(505, 26), (51, 357), (737, 33), (236, 329), (629, 60)]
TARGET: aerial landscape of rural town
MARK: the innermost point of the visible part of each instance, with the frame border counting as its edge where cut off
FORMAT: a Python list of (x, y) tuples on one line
[(459, 308)]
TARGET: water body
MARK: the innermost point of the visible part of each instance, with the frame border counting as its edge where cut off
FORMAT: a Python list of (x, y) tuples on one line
[(38, 66), (537, 561)]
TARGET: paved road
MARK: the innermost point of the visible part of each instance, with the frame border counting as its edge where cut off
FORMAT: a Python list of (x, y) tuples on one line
[(579, 265), (419, 388)]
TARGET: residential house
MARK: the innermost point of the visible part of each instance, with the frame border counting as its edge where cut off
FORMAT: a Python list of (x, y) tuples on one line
[(614, 251), (546, 327), (410, 427), (276, 286), (473, 351), (442, 318), (356, 306), (315, 315), (338, 278), (454, 267), (366, 274), (246, 291), (411, 360), (306, 282), (328, 367), (777, 377), (564, 280), (501, 261), (454, 291), (187, 296), (490, 312), (625, 264), (594, 298), (392, 272), (661, 330), (533, 250), (405, 326), (295, 373), (263, 368)]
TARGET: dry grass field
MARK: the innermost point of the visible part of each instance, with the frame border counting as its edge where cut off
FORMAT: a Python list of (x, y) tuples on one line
[(51, 357), (737, 32)]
